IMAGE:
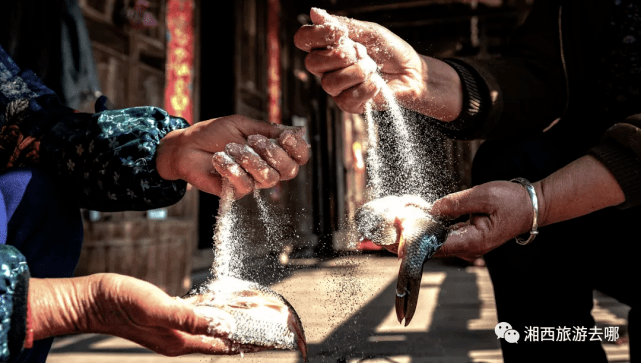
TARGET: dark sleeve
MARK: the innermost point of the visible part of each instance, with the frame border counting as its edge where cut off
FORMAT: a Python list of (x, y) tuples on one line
[(14, 285), (109, 158), (521, 91), (105, 160), (620, 152)]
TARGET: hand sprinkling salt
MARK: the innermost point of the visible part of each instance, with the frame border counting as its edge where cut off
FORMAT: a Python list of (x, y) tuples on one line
[(409, 169)]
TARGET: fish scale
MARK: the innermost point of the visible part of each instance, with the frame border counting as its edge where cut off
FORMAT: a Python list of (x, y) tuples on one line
[(261, 316), (254, 331)]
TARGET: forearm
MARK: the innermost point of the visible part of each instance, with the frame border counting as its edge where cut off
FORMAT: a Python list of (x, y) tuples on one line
[(580, 188), (58, 306)]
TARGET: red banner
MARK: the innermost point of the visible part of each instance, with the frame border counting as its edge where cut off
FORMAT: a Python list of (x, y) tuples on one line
[(273, 61), (180, 59)]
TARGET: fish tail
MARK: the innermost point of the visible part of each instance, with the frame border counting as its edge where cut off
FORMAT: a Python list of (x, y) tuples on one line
[(407, 290), (400, 308), (412, 300)]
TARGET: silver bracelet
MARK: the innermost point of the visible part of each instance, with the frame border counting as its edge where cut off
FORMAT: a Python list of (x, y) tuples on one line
[(535, 206)]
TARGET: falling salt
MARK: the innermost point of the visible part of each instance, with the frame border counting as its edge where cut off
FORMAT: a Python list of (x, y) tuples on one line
[(410, 169), (227, 244), (373, 161), (270, 223)]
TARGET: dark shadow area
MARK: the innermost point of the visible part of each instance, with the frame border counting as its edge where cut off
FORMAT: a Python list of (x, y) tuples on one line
[(84, 345)]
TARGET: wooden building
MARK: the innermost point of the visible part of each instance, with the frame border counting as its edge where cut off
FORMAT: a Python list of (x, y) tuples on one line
[(245, 62)]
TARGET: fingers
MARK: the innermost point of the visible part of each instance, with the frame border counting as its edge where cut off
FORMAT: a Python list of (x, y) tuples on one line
[(264, 175), (215, 346), (360, 31), (339, 80), (463, 242), (346, 74), (248, 126), (180, 315), (337, 55), (274, 155), (326, 60), (340, 55), (294, 144), (263, 162), (353, 99), (320, 16), (469, 201), (229, 169), (467, 240), (310, 37)]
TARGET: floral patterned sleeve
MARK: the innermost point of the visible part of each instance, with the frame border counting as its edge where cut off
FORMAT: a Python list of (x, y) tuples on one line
[(106, 160), (109, 158)]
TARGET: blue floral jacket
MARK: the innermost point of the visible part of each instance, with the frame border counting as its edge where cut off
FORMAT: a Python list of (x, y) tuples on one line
[(106, 161)]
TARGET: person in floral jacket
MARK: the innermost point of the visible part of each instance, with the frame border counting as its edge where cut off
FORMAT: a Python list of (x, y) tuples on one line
[(54, 160)]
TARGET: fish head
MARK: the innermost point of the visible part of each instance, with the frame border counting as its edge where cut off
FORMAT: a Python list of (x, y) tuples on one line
[(384, 221)]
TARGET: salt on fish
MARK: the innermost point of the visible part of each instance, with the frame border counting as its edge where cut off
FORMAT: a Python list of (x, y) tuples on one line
[(261, 317)]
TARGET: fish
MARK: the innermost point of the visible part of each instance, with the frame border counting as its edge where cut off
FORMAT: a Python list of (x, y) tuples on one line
[(403, 225), (261, 317)]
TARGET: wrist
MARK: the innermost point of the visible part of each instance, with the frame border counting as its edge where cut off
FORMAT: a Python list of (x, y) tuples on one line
[(442, 96), (58, 306), (529, 207), (166, 155), (540, 193)]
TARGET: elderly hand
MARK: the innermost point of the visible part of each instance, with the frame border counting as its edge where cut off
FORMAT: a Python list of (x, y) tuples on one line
[(341, 51), (499, 211), (125, 307), (502, 210), (250, 159)]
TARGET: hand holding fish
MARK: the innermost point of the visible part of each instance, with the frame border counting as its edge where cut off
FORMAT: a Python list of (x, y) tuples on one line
[(346, 52), (128, 308), (248, 153), (499, 211)]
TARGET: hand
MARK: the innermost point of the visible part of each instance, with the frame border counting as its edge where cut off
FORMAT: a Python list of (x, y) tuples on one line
[(499, 211), (250, 160), (128, 308), (419, 83)]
